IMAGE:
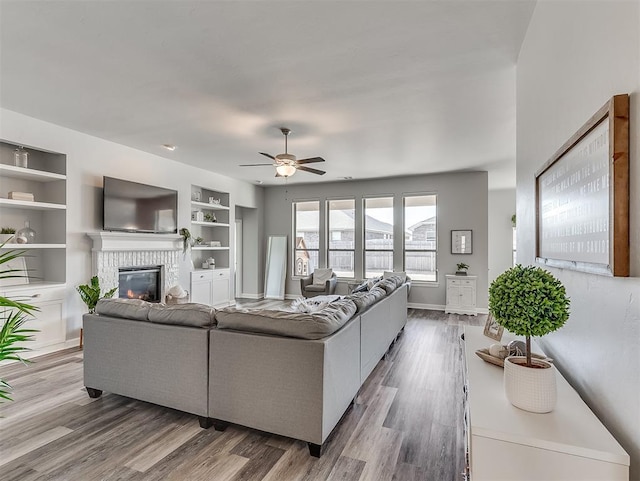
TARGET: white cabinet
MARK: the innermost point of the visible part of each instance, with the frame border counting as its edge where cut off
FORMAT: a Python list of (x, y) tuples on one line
[(49, 321), (507, 443), (210, 286), (461, 294)]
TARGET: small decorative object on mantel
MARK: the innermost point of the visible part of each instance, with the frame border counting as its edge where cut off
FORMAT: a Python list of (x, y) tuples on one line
[(492, 329), (462, 269), (21, 157), (529, 301)]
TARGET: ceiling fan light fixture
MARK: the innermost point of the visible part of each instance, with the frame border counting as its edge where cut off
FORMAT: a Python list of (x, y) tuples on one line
[(285, 170)]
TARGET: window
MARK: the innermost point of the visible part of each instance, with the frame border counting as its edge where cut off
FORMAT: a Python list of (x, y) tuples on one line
[(342, 230), (420, 237), (378, 236), (306, 240)]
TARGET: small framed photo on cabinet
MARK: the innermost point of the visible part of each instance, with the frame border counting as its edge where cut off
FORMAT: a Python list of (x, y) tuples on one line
[(492, 329)]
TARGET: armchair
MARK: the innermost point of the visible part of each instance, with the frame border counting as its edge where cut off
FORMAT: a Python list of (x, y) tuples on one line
[(321, 282)]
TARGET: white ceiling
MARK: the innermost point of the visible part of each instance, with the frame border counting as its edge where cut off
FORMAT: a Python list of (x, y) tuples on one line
[(376, 88)]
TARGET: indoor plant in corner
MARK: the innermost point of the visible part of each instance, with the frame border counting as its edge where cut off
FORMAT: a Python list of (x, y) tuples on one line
[(529, 301)]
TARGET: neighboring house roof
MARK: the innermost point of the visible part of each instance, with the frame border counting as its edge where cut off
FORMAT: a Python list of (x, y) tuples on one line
[(430, 220)]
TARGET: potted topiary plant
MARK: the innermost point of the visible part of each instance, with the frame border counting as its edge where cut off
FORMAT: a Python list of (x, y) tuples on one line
[(462, 269), (529, 301)]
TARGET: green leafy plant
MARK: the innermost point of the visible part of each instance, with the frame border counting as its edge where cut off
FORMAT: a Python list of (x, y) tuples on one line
[(186, 239), (13, 315), (7, 230), (90, 293), (528, 301), (513, 220), (462, 266)]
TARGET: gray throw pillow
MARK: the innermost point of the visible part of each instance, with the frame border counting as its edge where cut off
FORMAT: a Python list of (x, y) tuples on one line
[(190, 314), (136, 309)]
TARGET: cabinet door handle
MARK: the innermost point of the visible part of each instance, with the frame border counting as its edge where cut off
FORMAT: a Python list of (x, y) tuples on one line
[(35, 295)]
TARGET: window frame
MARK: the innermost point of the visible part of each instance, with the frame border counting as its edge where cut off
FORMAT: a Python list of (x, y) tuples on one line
[(364, 231), (294, 236), (404, 245), (328, 235)]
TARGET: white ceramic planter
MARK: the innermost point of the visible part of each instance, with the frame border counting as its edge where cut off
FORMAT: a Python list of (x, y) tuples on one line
[(6, 238), (530, 389)]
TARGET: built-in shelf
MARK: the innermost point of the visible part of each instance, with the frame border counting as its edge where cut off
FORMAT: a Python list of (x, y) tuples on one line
[(29, 174), (32, 284), (209, 224), (206, 205), (208, 248), (26, 204), (33, 246)]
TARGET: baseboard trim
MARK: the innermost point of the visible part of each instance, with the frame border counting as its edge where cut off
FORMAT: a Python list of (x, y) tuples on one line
[(251, 296), (292, 297), (431, 307)]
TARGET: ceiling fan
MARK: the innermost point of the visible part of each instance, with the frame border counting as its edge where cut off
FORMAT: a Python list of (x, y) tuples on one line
[(286, 164)]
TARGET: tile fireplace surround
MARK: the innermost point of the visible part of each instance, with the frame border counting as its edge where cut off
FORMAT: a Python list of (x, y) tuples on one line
[(112, 250)]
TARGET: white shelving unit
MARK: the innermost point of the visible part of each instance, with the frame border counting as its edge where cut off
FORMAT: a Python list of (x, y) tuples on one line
[(211, 286), (45, 177)]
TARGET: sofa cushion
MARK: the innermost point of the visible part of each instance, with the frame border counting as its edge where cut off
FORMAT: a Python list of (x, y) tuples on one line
[(189, 314), (314, 288), (362, 300), (401, 275), (136, 309), (389, 285), (320, 276), (290, 324)]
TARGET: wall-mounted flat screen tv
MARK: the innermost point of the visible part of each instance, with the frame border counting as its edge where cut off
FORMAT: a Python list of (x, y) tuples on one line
[(133, 207)]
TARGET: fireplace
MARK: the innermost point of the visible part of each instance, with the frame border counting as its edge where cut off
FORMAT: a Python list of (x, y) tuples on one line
[(140, 282)]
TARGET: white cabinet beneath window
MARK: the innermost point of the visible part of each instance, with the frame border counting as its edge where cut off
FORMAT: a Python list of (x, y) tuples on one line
[(210, 286), (507, 443), (461, 295)]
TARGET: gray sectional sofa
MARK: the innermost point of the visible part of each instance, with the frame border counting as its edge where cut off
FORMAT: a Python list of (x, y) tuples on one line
[(288, 373)]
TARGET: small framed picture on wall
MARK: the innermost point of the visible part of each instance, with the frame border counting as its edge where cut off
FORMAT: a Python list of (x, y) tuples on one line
[(461, 242)]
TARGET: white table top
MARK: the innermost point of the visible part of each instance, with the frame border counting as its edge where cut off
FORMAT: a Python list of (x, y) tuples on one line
[(570, 428)]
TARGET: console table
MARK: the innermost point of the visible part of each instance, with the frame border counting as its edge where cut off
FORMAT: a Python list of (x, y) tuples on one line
[(507, 443)]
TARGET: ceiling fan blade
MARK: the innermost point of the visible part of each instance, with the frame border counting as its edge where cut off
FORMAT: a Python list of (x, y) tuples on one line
[(253, 165), (267, 155), (278, 175), (310, 160), (309, 169)]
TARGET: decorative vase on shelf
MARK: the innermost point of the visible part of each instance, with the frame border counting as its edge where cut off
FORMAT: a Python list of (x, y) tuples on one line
[(26, 235), (21, 157)]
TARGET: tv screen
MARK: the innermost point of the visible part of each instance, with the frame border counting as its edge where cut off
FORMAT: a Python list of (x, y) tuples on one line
[(133, 207)]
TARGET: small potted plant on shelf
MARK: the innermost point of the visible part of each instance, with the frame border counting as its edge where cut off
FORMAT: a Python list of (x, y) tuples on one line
[(462, 269), (6, 234), (529, 301)]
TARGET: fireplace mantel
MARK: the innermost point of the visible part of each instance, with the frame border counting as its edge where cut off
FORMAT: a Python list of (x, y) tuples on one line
[(128, 241)]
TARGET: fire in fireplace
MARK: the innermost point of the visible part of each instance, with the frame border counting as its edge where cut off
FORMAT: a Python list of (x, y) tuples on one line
[(140, 282)]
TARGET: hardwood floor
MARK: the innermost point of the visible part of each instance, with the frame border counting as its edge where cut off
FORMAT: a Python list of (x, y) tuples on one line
[(406, 425)]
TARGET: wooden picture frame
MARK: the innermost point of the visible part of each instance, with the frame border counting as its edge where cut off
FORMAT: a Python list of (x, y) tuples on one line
[(462, 241), (582, 197), (492, 329)]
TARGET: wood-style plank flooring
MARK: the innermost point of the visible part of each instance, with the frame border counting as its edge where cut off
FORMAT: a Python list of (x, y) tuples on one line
[(406, 425)]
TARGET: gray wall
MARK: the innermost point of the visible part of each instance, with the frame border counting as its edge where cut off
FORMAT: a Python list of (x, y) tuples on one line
[(575, 56), (502, 205), (252, 250), (462, 204)]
